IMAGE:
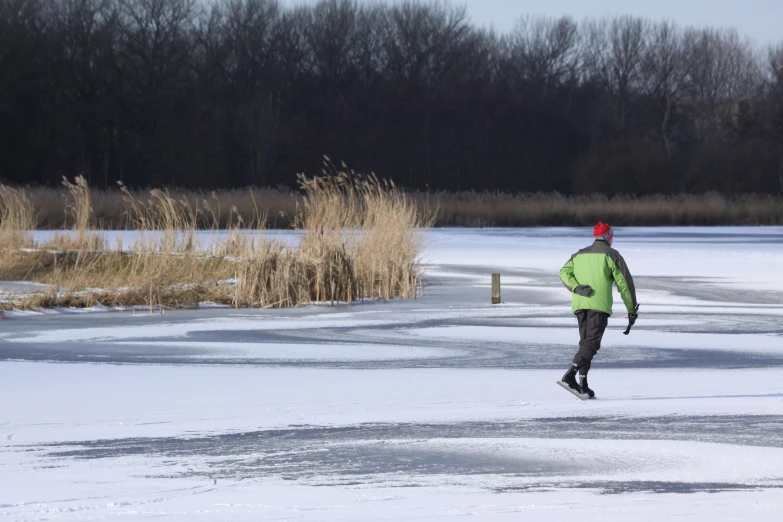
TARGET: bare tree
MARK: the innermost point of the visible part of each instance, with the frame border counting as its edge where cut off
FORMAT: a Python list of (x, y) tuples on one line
[(614, 50), (237, 92), (545, 50), (154, 63), (153, 41), (775, 71), (775, 57), (368, 43), (294, 53), (29, 87), (332, 37), (722, 71), (86, 30), (665, 72), (250, 35), (211, 53), (421, 39), (21, 29)]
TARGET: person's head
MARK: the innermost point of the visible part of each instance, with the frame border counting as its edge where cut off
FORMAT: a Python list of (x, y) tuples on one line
[(603, 232)]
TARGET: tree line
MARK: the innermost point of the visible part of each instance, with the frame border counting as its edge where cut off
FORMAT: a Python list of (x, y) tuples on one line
[(250, 92)]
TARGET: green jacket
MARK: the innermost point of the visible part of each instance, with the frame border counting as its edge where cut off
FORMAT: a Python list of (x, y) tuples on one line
[(598, 266)]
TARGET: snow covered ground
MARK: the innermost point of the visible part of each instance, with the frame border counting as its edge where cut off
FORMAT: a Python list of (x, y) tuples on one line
[(443, 408)]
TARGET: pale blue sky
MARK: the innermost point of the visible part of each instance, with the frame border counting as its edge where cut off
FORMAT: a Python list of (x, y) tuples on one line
[(761, 20)]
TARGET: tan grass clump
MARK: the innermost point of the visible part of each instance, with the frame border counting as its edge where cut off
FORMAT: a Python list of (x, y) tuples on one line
[(364, 223), (358, 241), (17, 218)]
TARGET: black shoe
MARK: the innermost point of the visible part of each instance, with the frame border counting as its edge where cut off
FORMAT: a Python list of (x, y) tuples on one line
[(570, 379), (585, 388)]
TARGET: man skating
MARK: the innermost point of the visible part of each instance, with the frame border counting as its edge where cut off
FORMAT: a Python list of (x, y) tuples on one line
[(589, 276)]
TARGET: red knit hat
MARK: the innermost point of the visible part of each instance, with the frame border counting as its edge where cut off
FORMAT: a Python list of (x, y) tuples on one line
[(603, 231)]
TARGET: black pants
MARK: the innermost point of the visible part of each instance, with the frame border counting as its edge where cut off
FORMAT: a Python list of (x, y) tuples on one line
[(592, 325)]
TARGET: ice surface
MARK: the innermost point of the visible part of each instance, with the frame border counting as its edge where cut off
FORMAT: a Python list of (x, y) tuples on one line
[(437, 409)]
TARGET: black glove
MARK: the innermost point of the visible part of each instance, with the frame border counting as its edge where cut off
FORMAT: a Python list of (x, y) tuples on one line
[(632, 317), (583, 290)]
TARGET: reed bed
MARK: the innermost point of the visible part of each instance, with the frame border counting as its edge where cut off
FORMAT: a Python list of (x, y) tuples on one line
[(278, 206), (472, 209), (359, 240), (17, 217)]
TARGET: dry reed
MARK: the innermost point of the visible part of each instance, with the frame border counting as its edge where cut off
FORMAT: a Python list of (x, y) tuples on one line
[(277, 206), (468, 209), (471, 209), (358, 240), (379, 227), (16, 218)]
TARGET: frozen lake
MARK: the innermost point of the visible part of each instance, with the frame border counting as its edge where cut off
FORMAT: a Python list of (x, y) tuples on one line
[(436, 409)]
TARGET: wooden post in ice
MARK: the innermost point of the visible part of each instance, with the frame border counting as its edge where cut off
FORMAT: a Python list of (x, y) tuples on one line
[(495, 288)]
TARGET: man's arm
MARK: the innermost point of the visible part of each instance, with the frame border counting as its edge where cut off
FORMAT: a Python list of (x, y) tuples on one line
[(567, 275), (624, 280)]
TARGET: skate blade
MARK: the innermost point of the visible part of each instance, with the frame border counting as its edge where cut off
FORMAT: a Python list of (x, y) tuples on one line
[(582, 396)]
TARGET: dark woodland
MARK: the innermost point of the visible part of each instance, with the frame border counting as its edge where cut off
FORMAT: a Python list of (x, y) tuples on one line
[(232, 93)]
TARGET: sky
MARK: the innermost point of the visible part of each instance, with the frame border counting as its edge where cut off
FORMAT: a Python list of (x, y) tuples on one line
[(761, 20)]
